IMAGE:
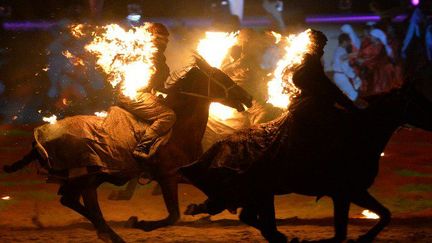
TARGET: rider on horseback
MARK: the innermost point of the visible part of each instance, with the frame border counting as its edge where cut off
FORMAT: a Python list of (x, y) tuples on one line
[(147, 106)]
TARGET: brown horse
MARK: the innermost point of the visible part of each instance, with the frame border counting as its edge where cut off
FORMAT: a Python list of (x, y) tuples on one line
[(190, 98)]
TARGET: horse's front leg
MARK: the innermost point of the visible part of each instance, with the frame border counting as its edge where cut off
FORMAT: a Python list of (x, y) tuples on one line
[(169, 186)]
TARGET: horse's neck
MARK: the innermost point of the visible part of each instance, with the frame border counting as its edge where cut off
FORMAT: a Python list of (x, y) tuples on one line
[(190, 126), (381, 120)]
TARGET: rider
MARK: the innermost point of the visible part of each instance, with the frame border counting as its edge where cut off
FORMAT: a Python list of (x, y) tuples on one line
[(317, 90), (147, 106)]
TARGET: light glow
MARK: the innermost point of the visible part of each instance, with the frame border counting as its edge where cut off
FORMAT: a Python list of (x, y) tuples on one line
[(51, 120), (6, 198), (221, 112)]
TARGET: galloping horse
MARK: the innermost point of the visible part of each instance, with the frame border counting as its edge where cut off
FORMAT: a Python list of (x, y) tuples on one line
[(190, 99), (341, 162)]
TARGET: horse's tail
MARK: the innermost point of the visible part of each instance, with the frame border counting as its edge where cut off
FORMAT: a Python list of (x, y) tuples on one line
[(18, 165)]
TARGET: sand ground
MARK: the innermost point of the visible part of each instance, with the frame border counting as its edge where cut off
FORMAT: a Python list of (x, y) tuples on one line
[(33, 214)]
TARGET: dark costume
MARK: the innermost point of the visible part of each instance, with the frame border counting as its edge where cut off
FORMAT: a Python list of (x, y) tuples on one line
[(233, 163), (147, 106)]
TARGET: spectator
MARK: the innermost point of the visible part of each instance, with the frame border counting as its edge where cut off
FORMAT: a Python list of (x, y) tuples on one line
[(343, 75)]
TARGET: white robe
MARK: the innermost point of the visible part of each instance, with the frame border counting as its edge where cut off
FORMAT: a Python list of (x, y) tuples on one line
[(343, 73)]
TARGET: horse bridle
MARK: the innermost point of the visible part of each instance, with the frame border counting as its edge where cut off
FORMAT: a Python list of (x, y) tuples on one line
[(210, 79)]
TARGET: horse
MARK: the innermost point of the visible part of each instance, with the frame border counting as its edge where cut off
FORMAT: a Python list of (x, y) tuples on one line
[(341, 166), (190, 97)]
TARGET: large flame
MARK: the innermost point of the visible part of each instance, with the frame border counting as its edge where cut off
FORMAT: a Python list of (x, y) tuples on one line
[(280, 88), (126, 56), (215, 46), (214, 49)]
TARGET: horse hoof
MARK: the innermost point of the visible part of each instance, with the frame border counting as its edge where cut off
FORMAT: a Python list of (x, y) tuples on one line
[(365, 239), (295, 240), (131, 222), (110, 238), (277, 237)]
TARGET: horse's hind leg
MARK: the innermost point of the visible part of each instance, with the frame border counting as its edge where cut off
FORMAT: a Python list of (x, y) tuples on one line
[(367, 201), (263, 218), (71, 199), (341, 205), (169, 187), (91, 203)]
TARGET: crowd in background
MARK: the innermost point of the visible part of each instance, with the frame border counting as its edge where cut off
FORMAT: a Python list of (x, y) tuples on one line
[(37, 79)]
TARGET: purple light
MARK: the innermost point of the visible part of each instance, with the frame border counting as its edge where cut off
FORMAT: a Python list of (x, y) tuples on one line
[(415, 2), (348, 18), (27, 25)]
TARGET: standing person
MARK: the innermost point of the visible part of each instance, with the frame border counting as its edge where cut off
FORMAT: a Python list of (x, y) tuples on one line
[(147, 106), (318, 94), (343, 75), (375, 66)]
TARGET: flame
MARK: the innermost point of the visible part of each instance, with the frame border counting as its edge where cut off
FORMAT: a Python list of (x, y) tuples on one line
[(215, 46), (6, 198), (77, 30), (76, 61), (221, 112), (214, 49), (126, 56), (369, 215), (101, 114), (280, 89), (277, 36), (51, 120)]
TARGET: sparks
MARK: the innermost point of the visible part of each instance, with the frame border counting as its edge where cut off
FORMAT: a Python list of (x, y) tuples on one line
[(51, 120), (369, 215), (76, 61), (77, 30), (280, 87), (215, 46), (126, 56), (101, 114)]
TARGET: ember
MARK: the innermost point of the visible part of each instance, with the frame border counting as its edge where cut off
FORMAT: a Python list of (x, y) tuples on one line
[(126, 56), (101, 114), (6, 198), (369, 215), (51, 120), (280, 89)]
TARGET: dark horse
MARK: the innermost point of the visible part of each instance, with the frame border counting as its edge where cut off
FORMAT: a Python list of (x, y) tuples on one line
[(341, 164), (190, 98)]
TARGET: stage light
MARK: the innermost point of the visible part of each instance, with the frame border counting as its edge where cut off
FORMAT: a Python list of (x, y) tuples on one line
[(415, 2)]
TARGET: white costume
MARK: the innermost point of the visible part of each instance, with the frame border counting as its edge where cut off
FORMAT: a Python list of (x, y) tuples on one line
[(343, 73)]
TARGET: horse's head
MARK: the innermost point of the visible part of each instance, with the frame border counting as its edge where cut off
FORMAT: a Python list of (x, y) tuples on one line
[(212, 85), (419, 100)]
